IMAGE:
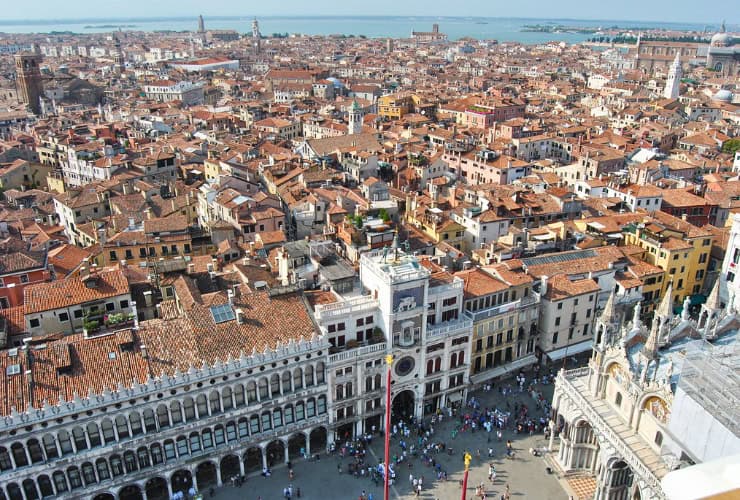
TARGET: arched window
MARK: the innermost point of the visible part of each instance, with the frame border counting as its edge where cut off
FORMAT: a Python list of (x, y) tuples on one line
[(188, 406), (75, 480), (60, 481), (201, 403), (219, 436), (169, 450), (321, 405), (215, 400), (93, 434), (79, 437), (309, 376), (368, 384), (288, 415), (207, 437), (618, 399), (453, 360), (659, 438), (116, 465), (254, 425), (122, 425), (266, 421), (195, 444), (251, 392), (88, 474), (5, 463), (378, 382), (150, 423), (136, 426), (226, 399), (437, 364), (231, 434), (277, 418), (143, 455), (129, 461), (156, 452), (50, 446), (102, 467), (65, 442), (34, 449), (264, 389), (108, 435), (175, 412), (163, 417), (349, 389), (239, 399), (430, 367), (182, 446), (243, 427), (45, 486), (275, 385), (19, 454), (297, 379), (320, 373), (340, 392), (310, 408), (286, 382)]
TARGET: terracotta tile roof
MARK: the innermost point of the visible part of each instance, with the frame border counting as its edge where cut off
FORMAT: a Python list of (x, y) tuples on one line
[(21, 260), (560, 287), (72, 291), (479, 283)]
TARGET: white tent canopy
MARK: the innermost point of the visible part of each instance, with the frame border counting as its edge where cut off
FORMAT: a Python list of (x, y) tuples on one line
[(718, 479)]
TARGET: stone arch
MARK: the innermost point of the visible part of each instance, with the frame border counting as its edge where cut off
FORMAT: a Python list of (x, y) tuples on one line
[(201, 405), (188, 406), (176, 411), (101, 467), (275, 452), (75, 479), (655, 405), (109, 435), (34, 450), (230, 467), (60, 481), (239, 397), (129, 461), (309, 375), (135, 421), (142, 455), (297, 379), (29, 488), (318, 438), (253, 459), (214, 402), (19, 454), (121, 423), (130, 492), (227, 401), (285, 382), (156, 489), (263, 388), (5, 463), (88, 473), (93, 434), (50, 446), (403, 405), (320, 372), (296, 445), (205, 474), (78, 436), (181, 480), (45, 487), (14, 492), (274, 385)]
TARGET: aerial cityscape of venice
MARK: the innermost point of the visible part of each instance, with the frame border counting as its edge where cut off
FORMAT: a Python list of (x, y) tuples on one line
[(374, 251)]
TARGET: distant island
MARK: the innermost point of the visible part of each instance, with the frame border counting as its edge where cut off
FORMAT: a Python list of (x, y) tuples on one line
[(556, 28), (109, 26)]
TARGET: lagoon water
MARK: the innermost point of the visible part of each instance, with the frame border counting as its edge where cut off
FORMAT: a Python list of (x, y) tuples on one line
[(502, 29)]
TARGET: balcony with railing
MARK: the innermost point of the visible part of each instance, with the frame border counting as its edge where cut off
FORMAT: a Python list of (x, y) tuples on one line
[(356, 305), (450, 328), (610, 429)]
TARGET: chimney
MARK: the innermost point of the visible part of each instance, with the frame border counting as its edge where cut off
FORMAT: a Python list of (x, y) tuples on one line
[(135, 314), (191, 268), (543, 286), (230, 295), (215, 264), (240, 317), (684, 217), (131, 223), (148, 213), (148, 298)]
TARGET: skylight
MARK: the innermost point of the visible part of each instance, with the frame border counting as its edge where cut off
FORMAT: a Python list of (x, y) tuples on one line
[(222, 313)]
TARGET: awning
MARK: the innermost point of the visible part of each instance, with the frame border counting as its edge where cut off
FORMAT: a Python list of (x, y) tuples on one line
[(570, 350), (454, 397), (515, 365)]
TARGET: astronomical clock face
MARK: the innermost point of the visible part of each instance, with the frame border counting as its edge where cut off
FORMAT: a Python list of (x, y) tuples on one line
[(657, 408)]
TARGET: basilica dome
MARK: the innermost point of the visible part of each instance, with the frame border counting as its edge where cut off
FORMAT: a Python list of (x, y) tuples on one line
[(721, 40), (723, 95)]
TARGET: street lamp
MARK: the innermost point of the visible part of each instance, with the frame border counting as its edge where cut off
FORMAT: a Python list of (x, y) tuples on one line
[(386, 484), (467, 458)]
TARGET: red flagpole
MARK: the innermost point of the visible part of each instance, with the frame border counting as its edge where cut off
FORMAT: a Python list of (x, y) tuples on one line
[(386, 483), (467, 457)]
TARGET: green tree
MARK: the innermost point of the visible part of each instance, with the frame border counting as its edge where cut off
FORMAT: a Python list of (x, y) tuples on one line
[(383, 214), (731, 147)]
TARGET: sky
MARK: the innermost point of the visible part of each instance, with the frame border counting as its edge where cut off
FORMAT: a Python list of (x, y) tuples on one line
[(691, 11)]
